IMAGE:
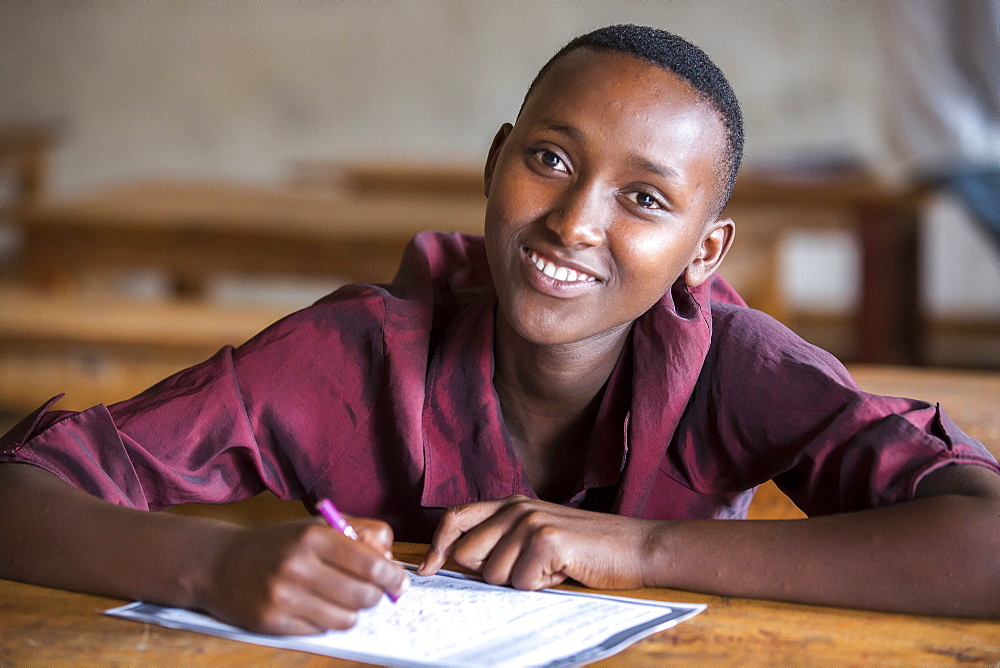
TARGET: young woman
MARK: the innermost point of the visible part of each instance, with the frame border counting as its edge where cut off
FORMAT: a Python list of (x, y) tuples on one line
[(578, 387)]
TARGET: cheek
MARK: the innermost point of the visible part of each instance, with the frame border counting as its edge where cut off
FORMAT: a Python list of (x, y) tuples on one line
[(517, 198), (657, 259), (501, 214), (497, 226)]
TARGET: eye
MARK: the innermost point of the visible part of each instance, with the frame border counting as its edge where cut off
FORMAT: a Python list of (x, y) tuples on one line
[(551, 160), (645, 200)]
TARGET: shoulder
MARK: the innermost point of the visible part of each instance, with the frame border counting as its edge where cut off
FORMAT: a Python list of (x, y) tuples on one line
[(354, 340), (749, 345), (761, 396), (441, 270), (765, 388), (709, 333), (438, 275), (775, 390)]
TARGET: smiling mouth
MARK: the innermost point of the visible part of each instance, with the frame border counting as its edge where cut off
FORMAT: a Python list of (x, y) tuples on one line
[(558, 272)]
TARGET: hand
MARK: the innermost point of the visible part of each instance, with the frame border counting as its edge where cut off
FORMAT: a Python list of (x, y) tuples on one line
[(531, 544), (303, 577)]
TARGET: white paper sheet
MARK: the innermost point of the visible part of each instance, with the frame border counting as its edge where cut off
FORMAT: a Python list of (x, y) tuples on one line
[(452, 620)]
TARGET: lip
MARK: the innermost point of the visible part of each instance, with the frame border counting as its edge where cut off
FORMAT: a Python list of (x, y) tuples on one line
[(553, 287)]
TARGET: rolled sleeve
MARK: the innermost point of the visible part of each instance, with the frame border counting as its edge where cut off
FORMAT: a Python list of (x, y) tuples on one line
[(896, 443), (86, 451), (770, 406)]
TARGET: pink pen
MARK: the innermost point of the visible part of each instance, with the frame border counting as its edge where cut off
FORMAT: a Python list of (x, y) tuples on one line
[(337, 521)]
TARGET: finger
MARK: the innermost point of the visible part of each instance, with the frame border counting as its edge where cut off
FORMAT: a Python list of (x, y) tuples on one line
[(313, 615), (454, 524), (363, 563), (475, 549), (542, 560), (375, 533), (496, 566), (342, 589), (354, 593), (507, 558), (291, 608)]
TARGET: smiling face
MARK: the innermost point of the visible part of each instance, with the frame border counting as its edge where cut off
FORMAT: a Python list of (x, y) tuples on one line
[(600, 197)]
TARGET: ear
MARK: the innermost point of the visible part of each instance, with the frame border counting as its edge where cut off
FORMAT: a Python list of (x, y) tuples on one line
[(491, 159), (714, 245)]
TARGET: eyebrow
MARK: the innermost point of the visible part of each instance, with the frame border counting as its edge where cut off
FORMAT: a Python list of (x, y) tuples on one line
[(635, 161), (567, 130), (660, 170)]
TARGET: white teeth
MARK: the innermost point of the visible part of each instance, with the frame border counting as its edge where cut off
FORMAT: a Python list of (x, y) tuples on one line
[(565, 274)]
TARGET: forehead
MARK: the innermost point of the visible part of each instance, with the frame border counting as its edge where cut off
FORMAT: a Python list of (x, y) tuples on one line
[(628, 104)]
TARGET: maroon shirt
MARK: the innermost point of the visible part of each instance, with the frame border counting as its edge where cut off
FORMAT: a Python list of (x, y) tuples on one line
[(381, 398)]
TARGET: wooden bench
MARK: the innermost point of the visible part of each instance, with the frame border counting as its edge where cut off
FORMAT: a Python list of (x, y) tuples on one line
[(105, 348), (374, 178), (193, 231), (24, 157)]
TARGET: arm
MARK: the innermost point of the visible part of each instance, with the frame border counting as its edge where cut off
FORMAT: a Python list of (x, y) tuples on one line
[(293, 578), (936, 554)]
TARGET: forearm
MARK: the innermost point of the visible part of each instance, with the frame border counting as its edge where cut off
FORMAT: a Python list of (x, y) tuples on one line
[(56, 535), (935, 555)]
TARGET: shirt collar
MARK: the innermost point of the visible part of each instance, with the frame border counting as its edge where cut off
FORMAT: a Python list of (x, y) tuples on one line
[(467, 452), (670, 343)]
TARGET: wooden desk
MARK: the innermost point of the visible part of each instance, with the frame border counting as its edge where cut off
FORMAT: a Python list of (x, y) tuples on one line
[(24, 158), (44, 626), (195, 230)]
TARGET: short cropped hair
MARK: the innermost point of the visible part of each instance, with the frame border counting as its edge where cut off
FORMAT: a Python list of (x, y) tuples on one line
[(687, 61)]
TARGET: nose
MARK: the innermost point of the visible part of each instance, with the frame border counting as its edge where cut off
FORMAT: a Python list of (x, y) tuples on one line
[(580, 217)]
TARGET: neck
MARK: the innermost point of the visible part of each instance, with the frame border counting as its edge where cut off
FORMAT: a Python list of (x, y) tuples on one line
[(549, 396), (555, 376)]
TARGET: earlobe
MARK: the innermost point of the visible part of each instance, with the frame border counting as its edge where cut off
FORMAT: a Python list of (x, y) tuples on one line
[(712, 250), (491, 159)]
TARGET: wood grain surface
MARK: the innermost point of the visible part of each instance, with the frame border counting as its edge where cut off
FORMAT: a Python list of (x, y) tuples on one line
[(41, 626)]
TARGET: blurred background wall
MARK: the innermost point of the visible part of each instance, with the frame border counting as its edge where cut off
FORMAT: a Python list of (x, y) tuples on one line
[(237, 91)]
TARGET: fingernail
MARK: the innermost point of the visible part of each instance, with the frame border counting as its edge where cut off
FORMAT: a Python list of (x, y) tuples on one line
[(402, 590)]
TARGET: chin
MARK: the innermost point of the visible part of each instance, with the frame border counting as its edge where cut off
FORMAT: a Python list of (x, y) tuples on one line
[(552, 331), (539, 331)]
